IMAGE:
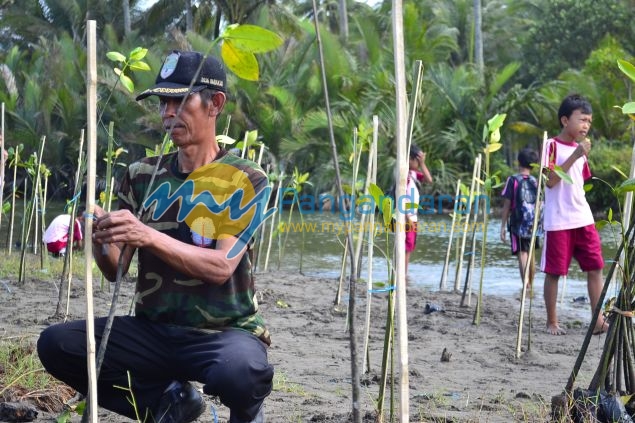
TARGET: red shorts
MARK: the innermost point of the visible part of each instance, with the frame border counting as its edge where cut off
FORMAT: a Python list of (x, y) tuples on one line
[(411, 237), (560, 247), (56, 246)]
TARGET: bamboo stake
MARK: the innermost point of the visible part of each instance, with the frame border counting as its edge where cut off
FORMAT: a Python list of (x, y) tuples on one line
[(532, 244), (40, 234), (459, 267), (2, 161), (564, 289), (16, 160), (36, 206), (242, 153), (402, 171), (444, 273), (24, 216), (31, 211), (338, 292), (414, 101), (262, 148), (475, 209), (372, 171), (355, 379), (67, 270), (273, 221), (467, 286), (91, 109)]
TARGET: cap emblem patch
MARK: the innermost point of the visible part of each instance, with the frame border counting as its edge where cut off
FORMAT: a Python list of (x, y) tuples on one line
[(169, 65)]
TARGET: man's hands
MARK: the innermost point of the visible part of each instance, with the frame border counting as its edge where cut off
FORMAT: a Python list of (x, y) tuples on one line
[(119, 226)]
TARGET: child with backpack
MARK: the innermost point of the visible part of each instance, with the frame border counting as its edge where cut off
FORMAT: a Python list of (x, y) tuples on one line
[(519, 208)]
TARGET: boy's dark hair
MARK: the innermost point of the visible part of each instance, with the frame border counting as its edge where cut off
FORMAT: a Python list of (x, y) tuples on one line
[(571, 103), (527, 156), (414, 151)]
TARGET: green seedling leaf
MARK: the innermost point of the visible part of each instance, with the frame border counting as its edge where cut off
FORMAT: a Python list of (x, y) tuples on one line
[(563, 175), (347, 189), (115, 56), (140, 66), (610, 215), (629, 108), (627, 68), (490, 148), (618, 170), (252, 136), (119, 151), (224, 139), (376, 192), (587, 187), (138, 53), (496, 122), (386, 211), (242, 63), (126, 82), (464, 189), (251, 38), (626, 186), (600, 224), (495, 137)]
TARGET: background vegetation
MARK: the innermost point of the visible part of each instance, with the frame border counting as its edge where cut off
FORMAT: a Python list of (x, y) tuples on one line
[(534, 53)]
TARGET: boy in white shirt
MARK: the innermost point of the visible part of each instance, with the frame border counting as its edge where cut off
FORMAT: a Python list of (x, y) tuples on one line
[(568, 222)]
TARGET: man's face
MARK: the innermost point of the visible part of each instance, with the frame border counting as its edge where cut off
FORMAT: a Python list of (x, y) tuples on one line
[(191, 126), (578, 125)]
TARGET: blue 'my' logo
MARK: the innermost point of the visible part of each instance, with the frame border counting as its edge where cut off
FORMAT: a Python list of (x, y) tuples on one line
[(164, 200)]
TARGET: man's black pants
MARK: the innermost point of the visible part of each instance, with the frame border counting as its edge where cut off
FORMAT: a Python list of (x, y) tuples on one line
[(231, 364)]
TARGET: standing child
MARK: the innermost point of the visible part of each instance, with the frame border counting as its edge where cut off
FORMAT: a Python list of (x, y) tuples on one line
[(518, 212), (568, 222), (417, 172)]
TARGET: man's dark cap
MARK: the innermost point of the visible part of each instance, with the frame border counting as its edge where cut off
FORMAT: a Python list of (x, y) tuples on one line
[(179, 69)]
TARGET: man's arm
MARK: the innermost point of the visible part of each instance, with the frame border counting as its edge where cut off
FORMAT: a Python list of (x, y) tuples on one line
[(121, 227), (107, 254)]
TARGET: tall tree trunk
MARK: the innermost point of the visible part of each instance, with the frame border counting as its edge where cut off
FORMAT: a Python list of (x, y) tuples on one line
[(343, 20), (478, 38), (188, 16), (125, 7)]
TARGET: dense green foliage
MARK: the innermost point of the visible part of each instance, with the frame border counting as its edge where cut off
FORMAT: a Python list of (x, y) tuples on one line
[(536, 51)]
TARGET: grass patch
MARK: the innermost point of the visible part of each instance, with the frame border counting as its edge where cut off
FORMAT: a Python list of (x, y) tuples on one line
[(282, 384), (22, 377), (50, 269)]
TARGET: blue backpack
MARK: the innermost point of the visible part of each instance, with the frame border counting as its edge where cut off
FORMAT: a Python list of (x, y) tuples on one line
[(523, 207)]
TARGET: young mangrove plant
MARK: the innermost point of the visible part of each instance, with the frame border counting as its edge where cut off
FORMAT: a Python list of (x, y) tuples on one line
[(491, 131)]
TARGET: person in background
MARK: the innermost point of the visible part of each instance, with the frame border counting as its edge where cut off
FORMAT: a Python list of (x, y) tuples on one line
[(5, 157), (517, 214), (417, 173), (568, 222), (196, 314), (56, 235)]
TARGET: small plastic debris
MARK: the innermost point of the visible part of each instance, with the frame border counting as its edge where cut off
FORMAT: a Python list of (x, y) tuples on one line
[(431, 308)]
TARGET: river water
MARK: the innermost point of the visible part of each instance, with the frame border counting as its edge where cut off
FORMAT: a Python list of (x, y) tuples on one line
[(323, 249), (317, 248)]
